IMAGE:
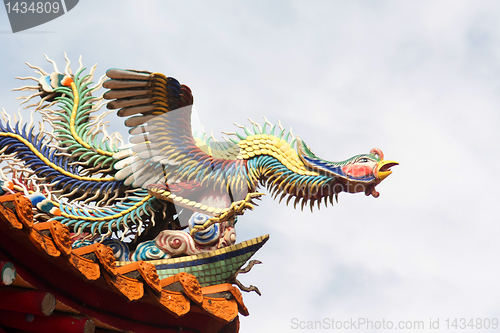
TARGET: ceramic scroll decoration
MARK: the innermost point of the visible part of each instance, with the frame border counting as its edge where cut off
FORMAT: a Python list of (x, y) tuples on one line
[(169, 192)]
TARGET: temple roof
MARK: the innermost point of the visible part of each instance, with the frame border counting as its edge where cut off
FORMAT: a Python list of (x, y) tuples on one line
[(86, 283)]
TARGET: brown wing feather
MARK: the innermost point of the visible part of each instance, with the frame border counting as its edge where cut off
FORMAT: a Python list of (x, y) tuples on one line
[(142, 95)]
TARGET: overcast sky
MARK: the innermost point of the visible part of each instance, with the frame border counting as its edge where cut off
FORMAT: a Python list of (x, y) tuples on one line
[(417, 79)]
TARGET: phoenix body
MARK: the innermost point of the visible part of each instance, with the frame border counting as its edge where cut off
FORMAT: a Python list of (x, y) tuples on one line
[(167, 178)]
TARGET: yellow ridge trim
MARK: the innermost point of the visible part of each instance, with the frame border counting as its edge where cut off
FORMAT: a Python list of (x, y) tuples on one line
[(72, 123), (49, 163), (86, 218)]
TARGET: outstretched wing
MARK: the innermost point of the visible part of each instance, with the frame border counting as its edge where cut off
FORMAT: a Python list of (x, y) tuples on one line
[(144, 95), (158, 110)]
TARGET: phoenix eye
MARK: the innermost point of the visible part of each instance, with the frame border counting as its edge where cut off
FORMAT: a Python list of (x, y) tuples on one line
[(363, 160)]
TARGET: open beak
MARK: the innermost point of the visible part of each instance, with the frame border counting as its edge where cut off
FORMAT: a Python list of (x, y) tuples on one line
[(384, 168)]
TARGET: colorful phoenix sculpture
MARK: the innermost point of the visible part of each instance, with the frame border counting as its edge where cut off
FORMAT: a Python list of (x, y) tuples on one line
[(168, 193)]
